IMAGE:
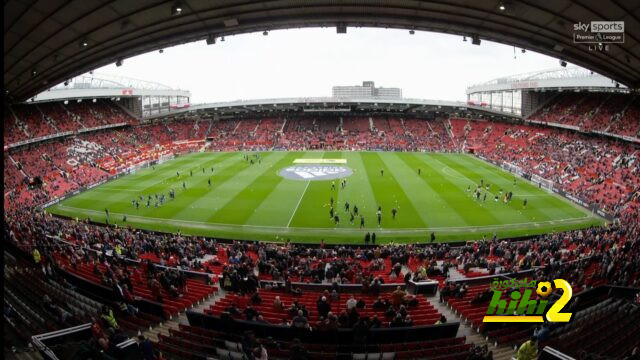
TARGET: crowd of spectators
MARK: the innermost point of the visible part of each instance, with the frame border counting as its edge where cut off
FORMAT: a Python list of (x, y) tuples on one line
[(32, 121), (585, 258), (598, 170), (612, 113), (242, 264)]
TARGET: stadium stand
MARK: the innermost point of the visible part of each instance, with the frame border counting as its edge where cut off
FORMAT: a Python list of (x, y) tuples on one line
[(612, 113), (33, 120), (616, 317), (605, 172), (59, 115), (78, 288)]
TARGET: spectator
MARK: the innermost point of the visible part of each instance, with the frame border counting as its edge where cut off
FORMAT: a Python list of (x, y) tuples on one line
[(260, 353), (277, 304), (541, 333), (146, 348), (375, 322), (408, 321), (397, 321), (297, 351), (361, 331), (351, 303), (108, 318), (256, 299), (249, 343), (300, 322), (334, 295), (379, 304), (232, 309), (397, 297), (528, 350), (333, 322), (323, 307), (250, 313)]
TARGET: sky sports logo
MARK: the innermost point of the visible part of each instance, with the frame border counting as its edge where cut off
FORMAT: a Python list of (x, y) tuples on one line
[(599, 32), (600, 26)]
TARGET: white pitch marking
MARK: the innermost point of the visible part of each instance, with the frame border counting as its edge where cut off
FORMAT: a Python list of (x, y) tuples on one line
[(202, 224), (299, 201)]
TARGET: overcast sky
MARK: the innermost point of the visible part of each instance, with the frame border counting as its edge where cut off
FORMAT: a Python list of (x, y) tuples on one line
[(308, 62)]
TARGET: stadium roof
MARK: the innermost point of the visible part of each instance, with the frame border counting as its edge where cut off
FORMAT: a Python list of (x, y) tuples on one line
[(105, 85), (48, 42), (563, 78), (562, 73), (108, 81), (334, 105)]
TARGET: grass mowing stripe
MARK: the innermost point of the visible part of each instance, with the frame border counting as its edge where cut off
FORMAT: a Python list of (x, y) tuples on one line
[(409, 182), (540, 208), (242, 205), (293, 213), (389, 194), (190, 212), (200, 199), (275, 233), (230, 183), (358, 192), (195, 187), (165, 169), (454, 194), (120, 202), (509, 213), (313, 211), (306, 187), (278, 208), (556, 202), (432, 204)]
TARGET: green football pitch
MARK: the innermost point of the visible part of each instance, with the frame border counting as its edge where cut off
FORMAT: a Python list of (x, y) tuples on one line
[(254, 202)]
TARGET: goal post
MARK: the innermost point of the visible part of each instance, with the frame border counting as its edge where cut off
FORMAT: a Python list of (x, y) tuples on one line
[(542, 182)]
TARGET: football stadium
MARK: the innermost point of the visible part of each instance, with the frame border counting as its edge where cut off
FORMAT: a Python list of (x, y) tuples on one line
[(259, 214)]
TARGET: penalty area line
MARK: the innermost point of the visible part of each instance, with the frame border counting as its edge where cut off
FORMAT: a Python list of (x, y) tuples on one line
[(298, 205)]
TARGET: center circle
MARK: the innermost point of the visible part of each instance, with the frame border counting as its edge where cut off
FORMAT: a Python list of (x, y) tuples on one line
[(315, 172)]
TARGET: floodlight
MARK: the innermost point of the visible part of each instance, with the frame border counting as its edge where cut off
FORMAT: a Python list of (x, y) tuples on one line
[(176, 10)]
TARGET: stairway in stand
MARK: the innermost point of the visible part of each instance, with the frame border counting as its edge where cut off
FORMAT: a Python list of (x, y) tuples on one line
[(163, 327), (500, 352), (31, 354)]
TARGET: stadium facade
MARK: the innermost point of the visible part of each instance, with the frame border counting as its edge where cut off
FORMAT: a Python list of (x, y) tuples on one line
[(368, 90), (142, 98), (523, 94)]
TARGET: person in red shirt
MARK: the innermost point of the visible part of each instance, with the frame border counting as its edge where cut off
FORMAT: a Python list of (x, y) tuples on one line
[(98, 334)]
